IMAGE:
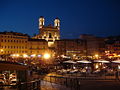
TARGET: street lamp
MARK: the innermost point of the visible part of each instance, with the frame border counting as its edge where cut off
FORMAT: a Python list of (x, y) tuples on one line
[(17, 55), (33, 55), (25, 55), (1, 50), (46, 56)]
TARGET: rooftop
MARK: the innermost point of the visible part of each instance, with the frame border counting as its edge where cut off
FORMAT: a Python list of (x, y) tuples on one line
[(13, 33)]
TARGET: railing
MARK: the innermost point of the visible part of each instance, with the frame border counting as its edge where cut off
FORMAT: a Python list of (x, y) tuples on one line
[(74, 82), (32, 85), (94, 76)]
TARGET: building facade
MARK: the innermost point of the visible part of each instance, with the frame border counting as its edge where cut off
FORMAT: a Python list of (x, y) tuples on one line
[(21, 45), (37, 47), (113, 47), (73, 48), (13, 43), (94, 45)]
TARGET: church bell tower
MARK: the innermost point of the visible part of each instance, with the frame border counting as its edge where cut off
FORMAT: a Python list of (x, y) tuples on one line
[(57, 23), (41, 22)]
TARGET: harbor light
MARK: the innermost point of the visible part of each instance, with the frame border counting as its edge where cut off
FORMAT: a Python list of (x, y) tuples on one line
[(25, 55), (46, 56)]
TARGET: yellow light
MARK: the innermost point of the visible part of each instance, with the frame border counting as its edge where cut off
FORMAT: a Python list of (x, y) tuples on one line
[(50, 44), (96, 55), (46, 56), (17, 55), (96, 66), (118, 66), (33, 55), (1, 50), (119, 55), (74, 55), (13, 55), (25, 55)]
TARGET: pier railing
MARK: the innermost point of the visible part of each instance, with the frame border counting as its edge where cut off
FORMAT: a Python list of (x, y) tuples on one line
[(32, 85), (75, 81)]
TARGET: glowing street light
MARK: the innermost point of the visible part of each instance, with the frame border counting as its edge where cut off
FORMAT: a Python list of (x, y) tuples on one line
[(17, 55), (46, 56), (13, 55), (1, 50), (96, 55), (39, 56), (96, 66), (119, 55), (25, 55), (33, 55)]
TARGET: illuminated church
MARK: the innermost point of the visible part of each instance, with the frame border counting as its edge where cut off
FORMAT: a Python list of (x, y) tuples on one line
[(49, 33)]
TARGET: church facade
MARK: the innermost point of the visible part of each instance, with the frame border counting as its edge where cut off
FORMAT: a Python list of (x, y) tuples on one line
[(50, 33)]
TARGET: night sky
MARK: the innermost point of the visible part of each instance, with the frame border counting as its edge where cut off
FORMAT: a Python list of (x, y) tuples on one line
[(97, 17)]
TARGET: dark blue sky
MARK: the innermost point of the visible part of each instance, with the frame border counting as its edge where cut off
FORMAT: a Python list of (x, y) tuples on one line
[(98, 17)]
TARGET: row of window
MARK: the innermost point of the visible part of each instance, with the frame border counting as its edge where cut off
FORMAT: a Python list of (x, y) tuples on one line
[(13, 47), (7, 36), (42, 43), (13, 37), (14, 52), (37, 47), (17, 41), (21, 47), (34, 51)]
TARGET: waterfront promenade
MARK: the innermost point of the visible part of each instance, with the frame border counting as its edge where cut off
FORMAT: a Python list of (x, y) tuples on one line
[(85, 84)]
